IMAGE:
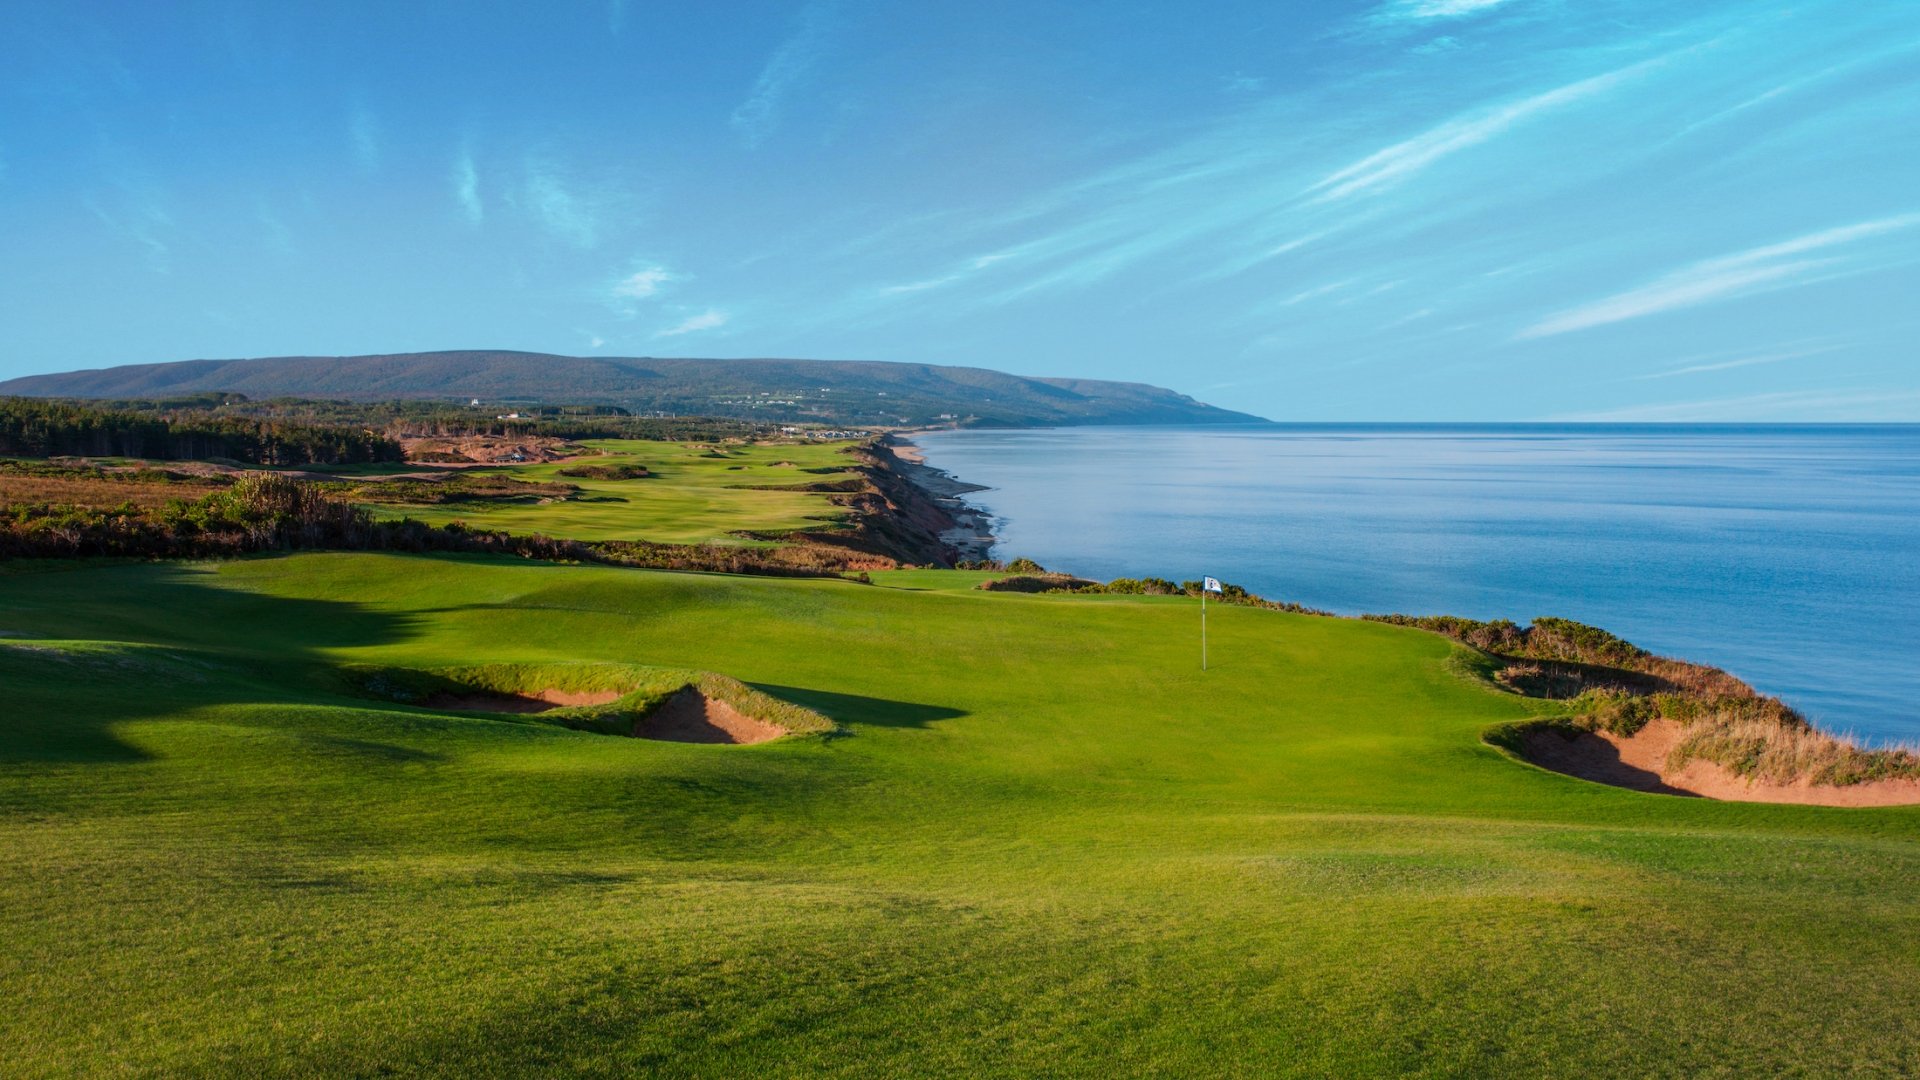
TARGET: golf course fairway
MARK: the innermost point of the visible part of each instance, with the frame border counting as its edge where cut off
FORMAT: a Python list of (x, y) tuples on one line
[(1041, 842)]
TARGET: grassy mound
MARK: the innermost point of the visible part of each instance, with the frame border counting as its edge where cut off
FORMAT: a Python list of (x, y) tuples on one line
[(615, 697)]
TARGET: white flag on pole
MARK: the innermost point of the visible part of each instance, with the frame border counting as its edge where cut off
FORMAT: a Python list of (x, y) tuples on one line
[(1211, 584)]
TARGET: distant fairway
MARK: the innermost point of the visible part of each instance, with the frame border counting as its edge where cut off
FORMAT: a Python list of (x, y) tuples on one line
[(698, 493), (1044, 844)]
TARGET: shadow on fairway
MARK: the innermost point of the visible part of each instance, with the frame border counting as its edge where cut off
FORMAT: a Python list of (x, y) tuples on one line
[(854, 709), (159, 638)]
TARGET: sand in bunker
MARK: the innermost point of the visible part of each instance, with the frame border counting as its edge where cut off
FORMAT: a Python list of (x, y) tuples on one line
[(691, 716), (531, 701), (1640, 763)]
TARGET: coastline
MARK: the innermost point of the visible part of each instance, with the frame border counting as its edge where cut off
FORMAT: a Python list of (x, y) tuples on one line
[(1791, 759), (971, 536)]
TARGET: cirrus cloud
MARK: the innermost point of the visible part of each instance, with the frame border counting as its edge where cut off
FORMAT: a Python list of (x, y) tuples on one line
[(1727, 277), (710, 319), (642, 283)]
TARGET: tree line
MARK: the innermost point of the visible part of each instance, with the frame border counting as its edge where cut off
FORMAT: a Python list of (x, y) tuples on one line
[(36, 428), (448, 419)]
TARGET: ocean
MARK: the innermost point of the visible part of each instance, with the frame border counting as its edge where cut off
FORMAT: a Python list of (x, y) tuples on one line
[(1789, 555)]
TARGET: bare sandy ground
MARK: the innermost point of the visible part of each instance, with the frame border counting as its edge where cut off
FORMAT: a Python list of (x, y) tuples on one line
[(490, 449), (1640, 763), (691, 716)]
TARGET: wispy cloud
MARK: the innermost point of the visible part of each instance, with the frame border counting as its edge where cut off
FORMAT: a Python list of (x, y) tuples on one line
[(642, 283), (556, 206), (1419, 11), (757, 117), (466, 188), (616, 16), (144, 223), (137, 208), (1726, 277), (1394, 17), (1856, 405), (710, 319), (1752, 360), (1315, 293), (1405, 159), (577, 208), (967, 270)]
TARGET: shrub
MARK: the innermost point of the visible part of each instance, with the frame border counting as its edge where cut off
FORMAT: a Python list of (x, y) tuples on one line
[(1152, 586), (1039, 583), (625, 471), (1614, 686)]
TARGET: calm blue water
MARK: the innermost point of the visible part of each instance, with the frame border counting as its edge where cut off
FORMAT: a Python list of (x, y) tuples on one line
[(1788, 555)]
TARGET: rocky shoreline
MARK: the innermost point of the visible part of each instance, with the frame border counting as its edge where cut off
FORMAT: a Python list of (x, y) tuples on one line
[(971, 535)]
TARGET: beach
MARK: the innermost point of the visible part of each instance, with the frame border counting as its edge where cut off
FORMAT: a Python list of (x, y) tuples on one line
[(972, 534)]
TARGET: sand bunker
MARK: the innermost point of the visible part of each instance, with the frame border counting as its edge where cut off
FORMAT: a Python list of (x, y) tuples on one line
[(691, 716), (1640, 762), (533, 701)]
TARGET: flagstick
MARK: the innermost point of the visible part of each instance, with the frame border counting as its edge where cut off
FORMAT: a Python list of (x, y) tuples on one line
[(1203, 626)]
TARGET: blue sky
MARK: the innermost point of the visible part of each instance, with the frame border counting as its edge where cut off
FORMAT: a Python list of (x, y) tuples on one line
[(1385, 209)]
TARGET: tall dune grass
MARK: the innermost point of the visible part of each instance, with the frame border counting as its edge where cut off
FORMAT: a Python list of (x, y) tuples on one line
[(1609, 684)]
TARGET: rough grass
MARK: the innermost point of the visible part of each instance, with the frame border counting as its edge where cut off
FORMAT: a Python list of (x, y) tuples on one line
[(1047, 844), (43, 483), (1763, 747), (1607, 684), (471, 486)]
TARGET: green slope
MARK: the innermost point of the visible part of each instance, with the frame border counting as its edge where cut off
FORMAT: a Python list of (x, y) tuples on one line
[(831, 391), (1045, 844)]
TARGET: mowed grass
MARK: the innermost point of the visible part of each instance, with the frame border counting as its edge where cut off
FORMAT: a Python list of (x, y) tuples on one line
[(699, 493), (1044, 844)]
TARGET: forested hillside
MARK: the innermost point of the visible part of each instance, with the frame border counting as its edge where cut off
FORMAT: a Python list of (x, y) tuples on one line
[(820, 391)]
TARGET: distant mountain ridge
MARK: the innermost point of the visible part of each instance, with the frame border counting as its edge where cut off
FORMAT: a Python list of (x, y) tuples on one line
[(831, 391)]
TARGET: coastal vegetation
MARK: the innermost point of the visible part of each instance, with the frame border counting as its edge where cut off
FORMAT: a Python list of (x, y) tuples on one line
[(1029, 577), (1606, 684)]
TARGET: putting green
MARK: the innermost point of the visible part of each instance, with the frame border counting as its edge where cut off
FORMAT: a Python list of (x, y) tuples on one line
[(1043, 843)]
